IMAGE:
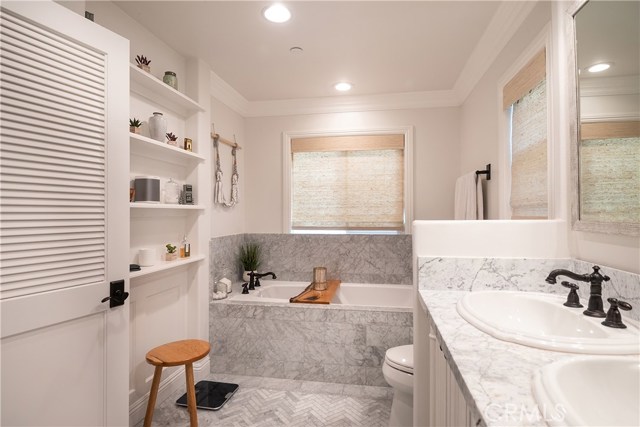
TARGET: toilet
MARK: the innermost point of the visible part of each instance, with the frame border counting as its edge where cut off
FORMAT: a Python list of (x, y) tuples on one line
[(398, 372)]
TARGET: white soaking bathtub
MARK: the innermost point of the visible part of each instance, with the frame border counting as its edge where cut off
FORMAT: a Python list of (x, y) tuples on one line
[(352, 294)]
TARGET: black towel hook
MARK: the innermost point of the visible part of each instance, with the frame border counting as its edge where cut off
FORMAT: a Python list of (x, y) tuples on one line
[(486, 172)]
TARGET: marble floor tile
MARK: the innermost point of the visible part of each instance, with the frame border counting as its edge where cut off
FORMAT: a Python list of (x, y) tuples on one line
[(264, 402)]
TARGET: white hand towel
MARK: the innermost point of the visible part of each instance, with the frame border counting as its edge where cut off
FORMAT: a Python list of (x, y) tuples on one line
[(479, 199), (466, 202)]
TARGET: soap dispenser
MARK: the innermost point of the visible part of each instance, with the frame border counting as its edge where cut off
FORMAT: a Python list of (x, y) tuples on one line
[(185, 248)]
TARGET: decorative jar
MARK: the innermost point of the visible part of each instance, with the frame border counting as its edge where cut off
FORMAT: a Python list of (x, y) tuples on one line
[(157, 126), (172, 192), (171, 79)]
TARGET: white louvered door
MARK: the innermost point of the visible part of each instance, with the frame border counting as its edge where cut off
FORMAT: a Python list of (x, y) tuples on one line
[(64, 218)]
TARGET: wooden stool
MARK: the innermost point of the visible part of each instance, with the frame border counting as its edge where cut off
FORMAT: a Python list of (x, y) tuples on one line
[(176, 353)]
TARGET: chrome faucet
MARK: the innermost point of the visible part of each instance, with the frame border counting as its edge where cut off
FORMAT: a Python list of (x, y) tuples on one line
[(595, 307), (254, 278)]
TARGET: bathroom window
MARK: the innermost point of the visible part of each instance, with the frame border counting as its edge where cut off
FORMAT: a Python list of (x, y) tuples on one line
[(347, 183), (525, 100)]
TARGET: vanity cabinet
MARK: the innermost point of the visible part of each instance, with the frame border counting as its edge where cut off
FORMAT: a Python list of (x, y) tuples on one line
[(438, 399), (167, 298), (447, 405)]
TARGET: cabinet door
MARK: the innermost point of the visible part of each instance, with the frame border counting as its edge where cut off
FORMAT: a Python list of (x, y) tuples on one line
[(64, 223), (447, 405)]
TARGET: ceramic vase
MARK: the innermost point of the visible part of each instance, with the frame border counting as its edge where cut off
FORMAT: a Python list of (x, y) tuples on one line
[(158, 127), (245, 275)]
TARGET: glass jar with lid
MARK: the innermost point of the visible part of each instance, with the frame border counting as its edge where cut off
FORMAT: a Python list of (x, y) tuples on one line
[(171, 192), (171, 79)]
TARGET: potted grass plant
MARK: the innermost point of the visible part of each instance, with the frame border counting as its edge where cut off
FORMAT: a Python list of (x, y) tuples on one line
[(172, 139), (143, 63), (134, 125), (249, 258)]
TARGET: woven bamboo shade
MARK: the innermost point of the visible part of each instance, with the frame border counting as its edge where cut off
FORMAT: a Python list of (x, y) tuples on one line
[(348, 182)]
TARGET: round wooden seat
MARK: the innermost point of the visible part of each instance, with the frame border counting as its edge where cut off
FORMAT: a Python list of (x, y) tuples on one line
[(176, 353)]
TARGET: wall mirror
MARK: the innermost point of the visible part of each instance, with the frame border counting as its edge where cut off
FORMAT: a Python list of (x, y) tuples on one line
[(606, 138)]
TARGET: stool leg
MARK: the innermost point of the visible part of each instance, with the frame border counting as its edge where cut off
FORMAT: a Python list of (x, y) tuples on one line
[(191, 395), (153, 394)]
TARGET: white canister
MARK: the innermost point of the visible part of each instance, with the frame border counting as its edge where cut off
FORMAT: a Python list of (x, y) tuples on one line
[(147, 257), (158, 127)]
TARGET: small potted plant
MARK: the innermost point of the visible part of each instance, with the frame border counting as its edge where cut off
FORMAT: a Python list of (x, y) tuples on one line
[(249, 259), (134, 125), (172, 139), (143, 63), (171, 254)]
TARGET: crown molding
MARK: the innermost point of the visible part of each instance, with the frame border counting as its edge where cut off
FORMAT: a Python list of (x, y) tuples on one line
[(225, 93), (505, 22), (343, 104), (609, 86)]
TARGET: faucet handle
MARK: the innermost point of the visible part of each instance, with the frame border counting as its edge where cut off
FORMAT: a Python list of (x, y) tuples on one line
[(614, 319), (244, 288), (596, 272), (573, 300)]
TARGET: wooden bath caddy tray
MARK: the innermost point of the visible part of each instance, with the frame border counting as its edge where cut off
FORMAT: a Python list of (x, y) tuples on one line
[(318, 297)]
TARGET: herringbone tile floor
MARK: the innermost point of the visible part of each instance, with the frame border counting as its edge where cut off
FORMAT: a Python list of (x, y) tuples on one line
[(266, 402)]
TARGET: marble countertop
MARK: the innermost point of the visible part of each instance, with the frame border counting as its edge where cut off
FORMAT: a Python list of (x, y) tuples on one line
[(495, 376)]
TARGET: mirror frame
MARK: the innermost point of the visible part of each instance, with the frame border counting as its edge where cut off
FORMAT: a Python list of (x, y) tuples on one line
[(577, 224)]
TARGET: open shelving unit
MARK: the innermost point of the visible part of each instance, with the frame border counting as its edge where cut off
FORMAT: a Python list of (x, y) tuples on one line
[(166, 161)]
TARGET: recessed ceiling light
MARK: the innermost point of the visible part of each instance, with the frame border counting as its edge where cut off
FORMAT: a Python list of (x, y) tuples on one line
[(277, 13), (596, 68), (296, 50), (343, 86)]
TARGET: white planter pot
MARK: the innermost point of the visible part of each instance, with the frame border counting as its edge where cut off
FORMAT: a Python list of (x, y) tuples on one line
[(245, 275)]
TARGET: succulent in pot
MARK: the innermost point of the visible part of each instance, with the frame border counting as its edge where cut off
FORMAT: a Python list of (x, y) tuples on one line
[(249, 258), (172, 139), (171, 252), (143, 63), (134, 125)]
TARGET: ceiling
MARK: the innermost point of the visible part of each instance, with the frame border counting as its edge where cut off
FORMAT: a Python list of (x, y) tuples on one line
[(381, 47), (609, 31)]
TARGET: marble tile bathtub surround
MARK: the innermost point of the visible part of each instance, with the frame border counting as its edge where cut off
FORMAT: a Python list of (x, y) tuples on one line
[(351, 258), (519, 274), (328, 344)]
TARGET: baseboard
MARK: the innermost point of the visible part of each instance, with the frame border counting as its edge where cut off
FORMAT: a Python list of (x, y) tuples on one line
[(168, 386)]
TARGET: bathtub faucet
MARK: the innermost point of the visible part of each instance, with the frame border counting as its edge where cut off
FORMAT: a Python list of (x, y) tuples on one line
[(595, 279), (254, 278)]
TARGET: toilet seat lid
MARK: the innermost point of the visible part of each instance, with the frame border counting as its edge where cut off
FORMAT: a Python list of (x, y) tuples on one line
[(400, 358)]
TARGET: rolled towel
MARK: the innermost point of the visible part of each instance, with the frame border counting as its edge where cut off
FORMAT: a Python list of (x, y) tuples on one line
[(218, 295)]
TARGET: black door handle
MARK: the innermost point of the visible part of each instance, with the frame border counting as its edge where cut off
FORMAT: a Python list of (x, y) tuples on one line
[(117, 295)]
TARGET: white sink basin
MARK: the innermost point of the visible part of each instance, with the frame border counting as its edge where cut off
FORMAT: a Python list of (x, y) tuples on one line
[(589, 391), (540, 320)]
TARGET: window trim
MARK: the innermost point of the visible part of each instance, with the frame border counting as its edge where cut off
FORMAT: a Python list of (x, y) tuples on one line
[(287, 136), (541, 41)]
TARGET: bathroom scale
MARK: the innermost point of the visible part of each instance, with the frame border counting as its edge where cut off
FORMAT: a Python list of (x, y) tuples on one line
[(210, 395)]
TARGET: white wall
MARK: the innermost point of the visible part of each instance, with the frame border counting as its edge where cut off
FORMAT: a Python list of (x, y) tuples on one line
[(436, 154), (479, 133), (143, 42), (227, 221)]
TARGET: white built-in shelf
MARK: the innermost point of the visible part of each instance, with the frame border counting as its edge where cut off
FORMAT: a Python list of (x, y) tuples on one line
[(165, 265), (147, 147), (156, 90), (165, 206)]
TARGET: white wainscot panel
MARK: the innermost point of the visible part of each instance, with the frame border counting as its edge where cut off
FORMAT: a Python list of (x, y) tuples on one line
[(68, 353), (158, 316)]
